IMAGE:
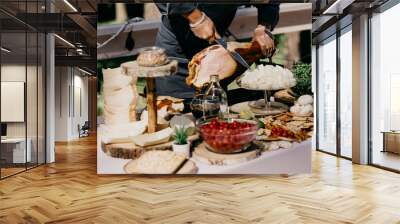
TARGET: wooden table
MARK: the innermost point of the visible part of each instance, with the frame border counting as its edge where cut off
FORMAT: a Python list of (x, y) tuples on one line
[(295, 160), (391, 141), (13, 150)]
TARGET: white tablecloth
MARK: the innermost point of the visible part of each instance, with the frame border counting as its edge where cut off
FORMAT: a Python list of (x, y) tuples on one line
[(295, 160)]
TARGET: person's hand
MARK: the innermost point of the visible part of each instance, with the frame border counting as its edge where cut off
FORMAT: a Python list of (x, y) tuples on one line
[(264, 40), (202, 26)]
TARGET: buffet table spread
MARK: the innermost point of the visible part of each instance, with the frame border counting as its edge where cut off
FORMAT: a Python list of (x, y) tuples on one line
[(294, 160), (252, 137)]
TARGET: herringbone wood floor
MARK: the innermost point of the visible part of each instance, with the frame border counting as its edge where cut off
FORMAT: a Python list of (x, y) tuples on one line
[(69, 191)]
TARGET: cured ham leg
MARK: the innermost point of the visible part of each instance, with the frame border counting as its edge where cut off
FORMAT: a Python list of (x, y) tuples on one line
[(216, 60)]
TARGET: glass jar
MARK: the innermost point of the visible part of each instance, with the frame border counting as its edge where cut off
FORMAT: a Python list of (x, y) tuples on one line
[(152, 56), (216, 95)]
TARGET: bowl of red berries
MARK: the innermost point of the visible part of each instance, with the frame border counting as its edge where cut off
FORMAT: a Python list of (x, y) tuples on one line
[(227, 136)]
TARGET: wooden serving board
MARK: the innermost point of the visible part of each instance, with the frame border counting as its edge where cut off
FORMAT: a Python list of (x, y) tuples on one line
[(132, 68), (188, 168), (202, 154), (130, 150)]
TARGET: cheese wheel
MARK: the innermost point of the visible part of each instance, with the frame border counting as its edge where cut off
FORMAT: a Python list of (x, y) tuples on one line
[(120, 97), (114, 78)]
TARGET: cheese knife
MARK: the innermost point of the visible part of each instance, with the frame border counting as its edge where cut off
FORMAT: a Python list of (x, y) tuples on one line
[(236, 56)]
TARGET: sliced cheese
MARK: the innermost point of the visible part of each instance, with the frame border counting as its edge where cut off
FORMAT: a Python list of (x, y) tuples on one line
[(122, 132), (153, 138)]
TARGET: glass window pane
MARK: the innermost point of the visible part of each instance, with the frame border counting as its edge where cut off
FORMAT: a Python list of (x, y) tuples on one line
[(346, 94), (385, 84), (31, 97), (32, 84), (13, 87), (22, 86), (327, 96)]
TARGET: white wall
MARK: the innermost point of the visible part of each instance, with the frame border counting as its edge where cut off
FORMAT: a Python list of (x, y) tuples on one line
[(12, 73), (70, 83), (16, 73), (33, 126), (50, 94), (62, 81)]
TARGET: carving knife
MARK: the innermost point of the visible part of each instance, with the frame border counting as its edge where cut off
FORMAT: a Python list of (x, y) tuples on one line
[(236, 56)]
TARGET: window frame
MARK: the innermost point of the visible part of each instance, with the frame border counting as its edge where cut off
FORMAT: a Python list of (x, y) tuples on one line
[(340, 30), (378, 10), (31, 30)]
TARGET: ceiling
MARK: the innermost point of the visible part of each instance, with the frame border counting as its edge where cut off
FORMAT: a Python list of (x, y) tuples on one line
[(330, 15), (76, 22), (73, 20)]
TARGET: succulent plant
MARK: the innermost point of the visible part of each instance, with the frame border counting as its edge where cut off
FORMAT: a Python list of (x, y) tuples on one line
[(181, 135)]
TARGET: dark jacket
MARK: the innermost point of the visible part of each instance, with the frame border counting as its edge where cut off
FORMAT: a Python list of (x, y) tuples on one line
[(179, 41)]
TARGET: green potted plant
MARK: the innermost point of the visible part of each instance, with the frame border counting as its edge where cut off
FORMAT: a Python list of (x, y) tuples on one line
[(302, 74), (181, 144)]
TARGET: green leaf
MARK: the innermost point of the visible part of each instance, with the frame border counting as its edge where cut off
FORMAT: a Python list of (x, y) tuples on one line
[(260, 124), (181, 135), (302, 74)]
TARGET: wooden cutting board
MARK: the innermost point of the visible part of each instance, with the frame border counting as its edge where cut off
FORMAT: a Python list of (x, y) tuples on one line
[(202, 154), (130, 150), (189, 167)]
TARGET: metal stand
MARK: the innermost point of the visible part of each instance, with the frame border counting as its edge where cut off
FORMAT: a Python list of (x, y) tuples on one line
[(267, 106)]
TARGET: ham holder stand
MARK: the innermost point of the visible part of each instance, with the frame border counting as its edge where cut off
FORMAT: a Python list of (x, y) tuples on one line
[(150, 74)]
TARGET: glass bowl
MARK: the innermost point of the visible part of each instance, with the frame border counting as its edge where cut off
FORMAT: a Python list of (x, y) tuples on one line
[(152, 57), (227, 136), (202, 107)]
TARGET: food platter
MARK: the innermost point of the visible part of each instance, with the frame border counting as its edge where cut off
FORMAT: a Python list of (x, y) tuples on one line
[(259, 79), (129, 150), (287, 127), (253, 86)]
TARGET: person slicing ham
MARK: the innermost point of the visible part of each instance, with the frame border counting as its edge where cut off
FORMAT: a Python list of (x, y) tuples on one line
[(189, 28)]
